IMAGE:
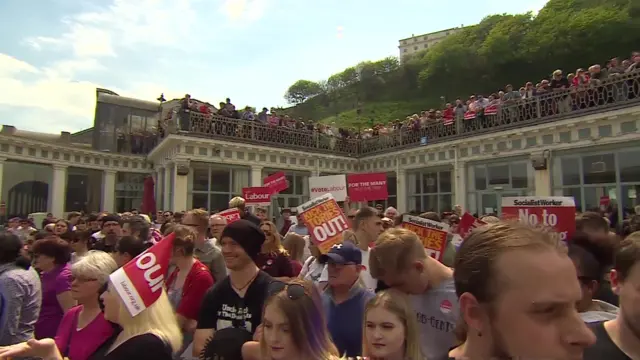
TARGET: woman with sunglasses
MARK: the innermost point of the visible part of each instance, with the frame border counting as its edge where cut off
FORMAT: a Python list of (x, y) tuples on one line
[(273, 258), (79, 241), (293, 325), (390, 328)]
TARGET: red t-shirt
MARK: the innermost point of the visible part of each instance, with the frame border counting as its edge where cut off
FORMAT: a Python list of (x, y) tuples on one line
[(296, 266), (198, 281)]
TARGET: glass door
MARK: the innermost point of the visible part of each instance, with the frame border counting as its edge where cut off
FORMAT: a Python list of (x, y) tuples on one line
[(490, 203)]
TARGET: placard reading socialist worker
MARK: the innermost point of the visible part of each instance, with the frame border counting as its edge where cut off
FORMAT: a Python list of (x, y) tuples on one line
[(432, 233), (558, 212), (325, 220)]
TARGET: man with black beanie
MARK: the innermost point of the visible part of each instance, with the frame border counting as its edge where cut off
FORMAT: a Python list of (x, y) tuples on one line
[(232, 309)]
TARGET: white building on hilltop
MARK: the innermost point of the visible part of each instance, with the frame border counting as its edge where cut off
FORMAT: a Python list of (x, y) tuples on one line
[(417, 43)]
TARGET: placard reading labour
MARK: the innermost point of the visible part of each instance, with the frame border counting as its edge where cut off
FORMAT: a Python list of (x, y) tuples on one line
[(325, 220), (432, 233), (258, 196), (557, 212)]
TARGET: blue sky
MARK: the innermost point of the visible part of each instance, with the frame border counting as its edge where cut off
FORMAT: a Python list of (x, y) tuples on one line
[(54, 53)]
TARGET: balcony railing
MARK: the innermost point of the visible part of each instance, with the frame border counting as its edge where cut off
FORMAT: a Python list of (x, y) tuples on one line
[(615, 92)]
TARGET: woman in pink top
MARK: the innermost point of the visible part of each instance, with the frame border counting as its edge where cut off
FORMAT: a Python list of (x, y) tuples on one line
[(83, 329)]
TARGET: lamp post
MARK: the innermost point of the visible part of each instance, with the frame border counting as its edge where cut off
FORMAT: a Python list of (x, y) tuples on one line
[(161, 100)]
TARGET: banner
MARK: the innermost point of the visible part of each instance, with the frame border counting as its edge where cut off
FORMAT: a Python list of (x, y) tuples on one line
[(139, 282), (276, 182), (325, 220), (467, 223), (367, 187), (555, 211), (257, 196), (231, 215), (470, 115), (432, 233), (336, 185), (491, 110)]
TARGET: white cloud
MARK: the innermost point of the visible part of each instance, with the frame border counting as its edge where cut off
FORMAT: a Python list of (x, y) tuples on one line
[(243, 10)]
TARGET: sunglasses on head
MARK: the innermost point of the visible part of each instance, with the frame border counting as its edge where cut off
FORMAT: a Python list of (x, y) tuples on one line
[(294, 291)]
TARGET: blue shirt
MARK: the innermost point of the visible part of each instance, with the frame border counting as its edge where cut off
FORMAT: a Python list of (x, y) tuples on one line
[(345, 320)]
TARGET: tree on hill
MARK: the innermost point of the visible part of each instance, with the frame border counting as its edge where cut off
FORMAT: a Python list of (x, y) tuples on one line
[(481, 59), (301, 90)]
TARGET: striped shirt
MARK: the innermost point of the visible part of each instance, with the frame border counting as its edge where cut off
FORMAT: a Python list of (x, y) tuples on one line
[(21, 295)]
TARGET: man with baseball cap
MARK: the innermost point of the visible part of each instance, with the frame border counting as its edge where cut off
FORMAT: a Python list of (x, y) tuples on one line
[(345, 298)]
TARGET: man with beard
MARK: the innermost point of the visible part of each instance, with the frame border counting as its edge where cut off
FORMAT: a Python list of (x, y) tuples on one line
[(517, 291), (619, 339), (112, 230)]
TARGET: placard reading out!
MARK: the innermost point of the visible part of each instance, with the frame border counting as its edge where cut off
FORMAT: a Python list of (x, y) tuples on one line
[(555, 211), (325, 220), (231, 215), (432, 233)]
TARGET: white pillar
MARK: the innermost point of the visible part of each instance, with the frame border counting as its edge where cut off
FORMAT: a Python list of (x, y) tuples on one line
[(2, 160), (58, 190), (256, 176), (166, 199), (159, 190), (401, 187), (109, 191), (542, 182), (460, 184), (180, 190)]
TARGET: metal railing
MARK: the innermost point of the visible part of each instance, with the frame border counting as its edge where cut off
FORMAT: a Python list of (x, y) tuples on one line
[(615, 92)]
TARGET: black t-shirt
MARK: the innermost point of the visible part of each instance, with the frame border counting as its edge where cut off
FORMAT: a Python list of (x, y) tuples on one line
[(221, 306), (604, 348), (141, 347), (558, 84)]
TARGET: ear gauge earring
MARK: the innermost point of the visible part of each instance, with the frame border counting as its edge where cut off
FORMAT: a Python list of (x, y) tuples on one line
[(479, 333)]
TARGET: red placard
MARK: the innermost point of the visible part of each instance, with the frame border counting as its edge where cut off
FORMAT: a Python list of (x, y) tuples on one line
[(257, 196), (555, 211), (467, 223), (367, 187), (231, 215), (325, 220), (432, 233), (276, 182)]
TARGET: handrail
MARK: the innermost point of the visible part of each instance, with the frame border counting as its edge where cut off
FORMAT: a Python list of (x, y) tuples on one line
[(618, 91)]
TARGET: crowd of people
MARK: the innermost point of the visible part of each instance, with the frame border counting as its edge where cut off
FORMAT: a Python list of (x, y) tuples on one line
[(557, 95), (260, 289)]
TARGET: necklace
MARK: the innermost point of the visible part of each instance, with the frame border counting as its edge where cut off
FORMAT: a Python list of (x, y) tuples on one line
[(239, 289)]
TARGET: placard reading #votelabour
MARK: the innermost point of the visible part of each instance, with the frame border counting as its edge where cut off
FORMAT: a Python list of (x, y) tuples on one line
[(336, 185), (325, 220), (367, 187), (557, 212)]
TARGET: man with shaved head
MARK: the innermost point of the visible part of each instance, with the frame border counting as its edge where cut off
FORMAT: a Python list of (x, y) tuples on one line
[(205, 249), (216, 225)]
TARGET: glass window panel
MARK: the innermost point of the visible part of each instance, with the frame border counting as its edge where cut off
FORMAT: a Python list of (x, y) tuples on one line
[(629, 166), (391, 201), (289, 190), (293, 202), (414, 182), (629, 197), (221, 180), (414, 204), (218, 202), (489, 204), (498, 174), (480, 177), (430, 203), (599, 169), (392, 185), (200, 179), (593, 194), (200, 200), (519, 176), (298, 183), (445, 181), (570, 170), (429, 183), (445, 203), (574, 192)]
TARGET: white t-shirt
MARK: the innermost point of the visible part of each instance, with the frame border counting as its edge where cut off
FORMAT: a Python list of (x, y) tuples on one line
[(313, 271), (369, 282)]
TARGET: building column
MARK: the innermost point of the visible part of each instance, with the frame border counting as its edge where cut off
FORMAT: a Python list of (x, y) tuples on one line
[(256, 176), (542, 177), (460, 184), (401, 195), (166, 198), (180, 189), (159, 189), (58, 190), (109, 191), (2, 160)]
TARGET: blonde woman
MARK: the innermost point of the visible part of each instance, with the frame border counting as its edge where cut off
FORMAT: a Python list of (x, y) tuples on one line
[(294, 325), (314, 269), (390, 329), (153, 334), (295, 245), (273, 258)]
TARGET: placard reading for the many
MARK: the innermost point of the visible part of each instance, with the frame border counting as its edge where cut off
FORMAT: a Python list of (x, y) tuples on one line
[(557, 212), (432, 233), (325, 220), (231, 215), (276, 182), (367, 187)]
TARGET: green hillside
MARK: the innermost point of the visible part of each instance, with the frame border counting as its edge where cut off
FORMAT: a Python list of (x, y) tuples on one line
[(501, 49)]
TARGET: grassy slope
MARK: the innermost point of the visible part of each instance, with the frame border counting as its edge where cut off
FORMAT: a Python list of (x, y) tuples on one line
[(377, 112)]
